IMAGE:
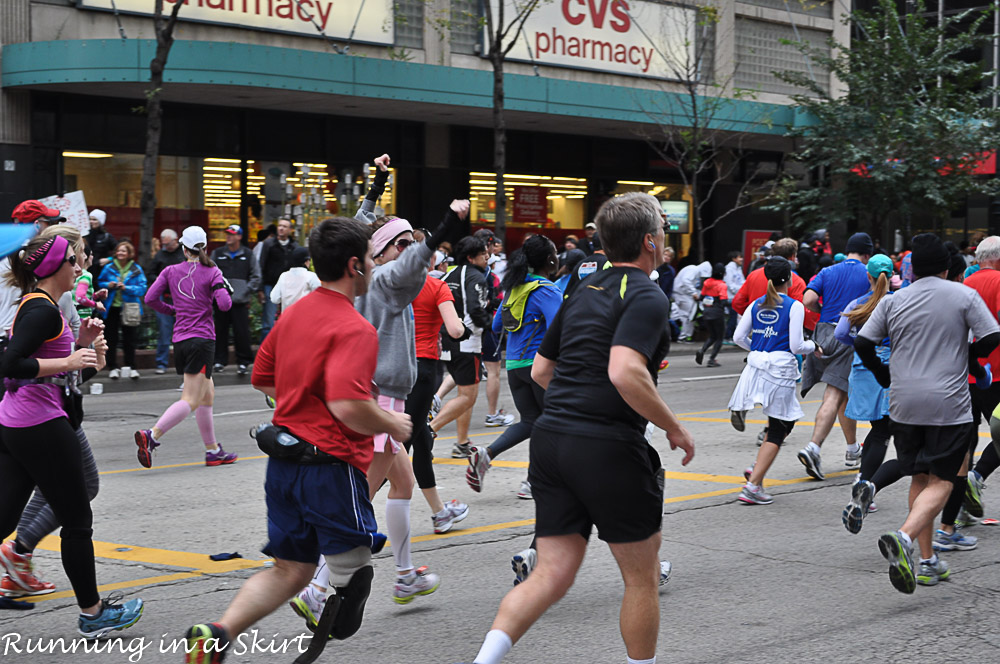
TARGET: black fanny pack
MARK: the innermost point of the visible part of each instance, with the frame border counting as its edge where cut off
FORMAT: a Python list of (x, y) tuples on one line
[(278, 442)]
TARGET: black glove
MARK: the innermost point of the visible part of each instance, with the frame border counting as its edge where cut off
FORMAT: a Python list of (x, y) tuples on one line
[(450, 222)]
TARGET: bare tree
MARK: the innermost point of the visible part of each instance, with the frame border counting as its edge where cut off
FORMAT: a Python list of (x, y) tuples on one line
[(692, 122), (502, 33), (164, 28)]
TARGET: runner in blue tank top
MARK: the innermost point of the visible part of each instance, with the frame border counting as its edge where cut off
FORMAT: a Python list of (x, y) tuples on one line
[(772, 331)]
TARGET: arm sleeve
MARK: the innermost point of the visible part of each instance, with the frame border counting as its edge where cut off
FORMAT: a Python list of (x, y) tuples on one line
[(220, 293), (80, 294), (350, 366), (796, 341), (549, 348), (276, 291), (741, 337), (865, 348), (400, 281), (262, 262), (158, 288), (642, 322), (843, 331), (473, 304), (254, 282), (36, 322)]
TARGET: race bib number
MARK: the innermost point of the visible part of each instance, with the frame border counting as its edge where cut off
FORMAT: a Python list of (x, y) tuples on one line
[(588, 268), (708, 300)]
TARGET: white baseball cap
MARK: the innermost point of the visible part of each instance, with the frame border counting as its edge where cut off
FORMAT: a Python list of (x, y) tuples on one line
[(194, 236)]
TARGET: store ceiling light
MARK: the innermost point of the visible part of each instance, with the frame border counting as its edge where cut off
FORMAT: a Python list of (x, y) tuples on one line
[(221, 168), (88, 155), (222, 161), (641, 183)]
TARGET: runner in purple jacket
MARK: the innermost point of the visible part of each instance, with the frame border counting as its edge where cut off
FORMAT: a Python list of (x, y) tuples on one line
[(194, 285)]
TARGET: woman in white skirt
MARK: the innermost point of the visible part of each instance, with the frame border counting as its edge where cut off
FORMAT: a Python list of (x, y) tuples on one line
[(772, 332)]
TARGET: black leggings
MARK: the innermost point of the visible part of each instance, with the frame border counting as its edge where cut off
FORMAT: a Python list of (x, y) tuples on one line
[(957, 496), (112, 325), (716, 332), (873, 454), (418, 404), (529, 398), (778, 430), (48, 456)]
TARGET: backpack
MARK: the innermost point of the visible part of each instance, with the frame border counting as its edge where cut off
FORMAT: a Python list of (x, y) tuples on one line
[(512, 309)]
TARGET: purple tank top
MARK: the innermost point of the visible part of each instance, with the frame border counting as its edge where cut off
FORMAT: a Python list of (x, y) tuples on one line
[(30, 405)]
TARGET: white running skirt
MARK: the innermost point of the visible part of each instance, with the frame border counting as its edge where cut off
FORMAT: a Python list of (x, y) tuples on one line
[(769, 380)]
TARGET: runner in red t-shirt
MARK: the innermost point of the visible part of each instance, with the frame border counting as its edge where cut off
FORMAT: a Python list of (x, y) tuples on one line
[(318, 363)]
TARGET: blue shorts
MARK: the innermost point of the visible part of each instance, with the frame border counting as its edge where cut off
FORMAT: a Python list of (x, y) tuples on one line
[(491, 346), (317, 509)]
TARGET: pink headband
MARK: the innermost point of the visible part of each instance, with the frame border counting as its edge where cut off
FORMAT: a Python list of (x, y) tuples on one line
[(388, 233), (48, 258)]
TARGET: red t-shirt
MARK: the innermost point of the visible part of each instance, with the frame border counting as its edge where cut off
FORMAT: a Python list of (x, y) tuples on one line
[(320, 350), (715, 288), (427, 317), (986, 282), (756, 286)]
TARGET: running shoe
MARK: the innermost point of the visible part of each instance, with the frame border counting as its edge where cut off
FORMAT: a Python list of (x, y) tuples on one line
[(965, 520), (894, 548), (460, 450), (206, 644), (160, 371), (931, 574), (419, 582), (20, 576), (738, 418), (812, 463), (699, 356), (664, 364), (242, 370), (973, 502), (954, 541), (761, 437), (665, 569), (524, 493), (479, 463), (852, 459), (499, 419), (872, 508), (147, 445), (269, 401), (452, 513), (115, 374), (748, 471), (308, 607), (435, 406), (218, 368), (113, 616), (220, 457), (862, 495), (755, 496), (522, 563), (712, 364)]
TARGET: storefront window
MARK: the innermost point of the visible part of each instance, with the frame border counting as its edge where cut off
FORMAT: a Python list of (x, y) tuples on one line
[(675, 203), (533, 201)]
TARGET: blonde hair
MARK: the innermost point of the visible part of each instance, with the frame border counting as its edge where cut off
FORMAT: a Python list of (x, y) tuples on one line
[(71, 234), (773, 298), (859, 316)]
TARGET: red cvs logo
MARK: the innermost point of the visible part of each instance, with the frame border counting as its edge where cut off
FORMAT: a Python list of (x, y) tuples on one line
[(576, 11)]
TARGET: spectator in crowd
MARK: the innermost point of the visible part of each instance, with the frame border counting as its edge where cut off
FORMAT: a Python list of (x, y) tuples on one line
[(275, 258), (591, 243), (240, 269), (126, 284), (169, 254), (734, 281), (295, 283), (101, 242)]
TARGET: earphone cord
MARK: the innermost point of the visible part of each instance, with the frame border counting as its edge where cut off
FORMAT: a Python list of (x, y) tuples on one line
[(189, 275)]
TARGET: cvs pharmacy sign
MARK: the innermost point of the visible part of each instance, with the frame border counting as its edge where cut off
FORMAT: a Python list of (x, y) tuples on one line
[(621, 36)]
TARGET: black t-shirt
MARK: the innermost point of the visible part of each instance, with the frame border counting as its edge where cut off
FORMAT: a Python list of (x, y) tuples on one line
[(590, 265), (619, 306)]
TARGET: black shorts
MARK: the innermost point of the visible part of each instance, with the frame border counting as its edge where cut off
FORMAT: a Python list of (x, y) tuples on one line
[(194, 356), (465, 368), (579, 482), (939, 451), (491, 346)]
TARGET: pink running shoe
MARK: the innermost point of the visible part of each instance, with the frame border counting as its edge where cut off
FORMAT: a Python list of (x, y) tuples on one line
[(20, 580)]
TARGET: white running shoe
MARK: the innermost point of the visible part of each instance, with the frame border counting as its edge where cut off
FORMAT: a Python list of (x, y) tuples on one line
[(852, 459), (665, 569), (500, 419), (479, 463), (522, 563), (115, 374), (452, 513), (524, 493), (419, 582)]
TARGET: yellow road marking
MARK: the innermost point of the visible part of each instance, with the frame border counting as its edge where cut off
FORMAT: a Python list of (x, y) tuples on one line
[(148, 581)]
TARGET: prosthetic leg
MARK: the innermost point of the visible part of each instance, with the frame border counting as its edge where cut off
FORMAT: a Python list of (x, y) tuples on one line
[(341, 617)]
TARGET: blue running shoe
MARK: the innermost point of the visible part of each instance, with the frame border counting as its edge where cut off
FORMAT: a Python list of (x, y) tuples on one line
[(523, 563), (955, 541), (900, 556), (113, 616)]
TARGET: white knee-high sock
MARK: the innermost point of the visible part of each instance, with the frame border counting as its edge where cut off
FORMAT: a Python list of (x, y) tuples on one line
[(496, 645), (641, 661), (397, 519)]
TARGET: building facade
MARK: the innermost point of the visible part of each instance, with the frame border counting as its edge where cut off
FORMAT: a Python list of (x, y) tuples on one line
[(279, 106)]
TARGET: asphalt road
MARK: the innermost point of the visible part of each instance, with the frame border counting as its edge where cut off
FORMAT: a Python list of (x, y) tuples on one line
[(778, 583)]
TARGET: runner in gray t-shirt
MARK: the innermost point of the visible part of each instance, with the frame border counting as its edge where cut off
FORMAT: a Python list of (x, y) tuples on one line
[(928, 325)]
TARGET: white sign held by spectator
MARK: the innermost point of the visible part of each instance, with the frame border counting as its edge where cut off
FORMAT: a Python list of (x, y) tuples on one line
[(73, 207)]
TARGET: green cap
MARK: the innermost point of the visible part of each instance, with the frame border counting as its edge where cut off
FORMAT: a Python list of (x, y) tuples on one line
[(880, 264)]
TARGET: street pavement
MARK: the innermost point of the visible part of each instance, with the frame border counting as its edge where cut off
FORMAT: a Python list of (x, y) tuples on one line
[(778, 583)]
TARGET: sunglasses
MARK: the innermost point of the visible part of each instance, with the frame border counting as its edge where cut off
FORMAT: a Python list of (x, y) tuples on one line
[(402, 244), (71, 259)]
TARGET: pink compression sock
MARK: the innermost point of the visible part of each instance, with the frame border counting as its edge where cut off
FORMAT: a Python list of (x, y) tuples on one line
[(173, 416), (206, 426)]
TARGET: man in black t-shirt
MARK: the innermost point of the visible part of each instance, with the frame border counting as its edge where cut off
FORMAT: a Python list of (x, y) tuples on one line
[(598, 364)]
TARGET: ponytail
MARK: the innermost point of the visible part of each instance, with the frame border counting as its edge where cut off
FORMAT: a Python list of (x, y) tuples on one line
[(533, 256), (859, 316), (202, 256), (20, 276), (517, 271), (773, 299)]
